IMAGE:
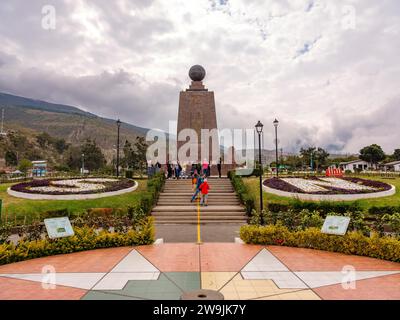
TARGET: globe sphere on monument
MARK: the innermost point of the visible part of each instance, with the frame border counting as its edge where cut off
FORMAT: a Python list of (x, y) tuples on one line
[(197, 73)]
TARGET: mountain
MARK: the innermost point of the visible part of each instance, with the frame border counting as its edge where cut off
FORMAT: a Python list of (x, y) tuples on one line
[(63, 121)]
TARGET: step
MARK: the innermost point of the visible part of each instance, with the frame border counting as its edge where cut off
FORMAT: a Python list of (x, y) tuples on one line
[(189, 195), (188, 198), (180, 204), (214, 194), (194, 221), (194, 208), (221, 217), (194, 214), (188, 202), (190, 189)]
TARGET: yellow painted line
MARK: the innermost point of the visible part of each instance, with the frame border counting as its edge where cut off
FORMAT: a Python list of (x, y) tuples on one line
[(198, 222)]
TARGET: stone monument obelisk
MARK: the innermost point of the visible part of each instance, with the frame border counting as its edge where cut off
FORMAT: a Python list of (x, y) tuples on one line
[(197, 112)]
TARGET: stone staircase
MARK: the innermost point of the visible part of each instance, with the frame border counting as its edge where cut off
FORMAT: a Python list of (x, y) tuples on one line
[(174, 206)]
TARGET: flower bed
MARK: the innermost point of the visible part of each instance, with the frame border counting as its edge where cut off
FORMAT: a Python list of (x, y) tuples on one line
[(326, 186), (73, 186)]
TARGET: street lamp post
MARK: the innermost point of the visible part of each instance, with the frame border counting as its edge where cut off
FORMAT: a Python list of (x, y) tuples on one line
[(118, 126), (311, 161), (276, 123), (259, 129), (83, 163)]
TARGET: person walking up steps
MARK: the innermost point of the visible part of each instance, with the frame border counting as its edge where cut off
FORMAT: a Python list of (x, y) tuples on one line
[(204, 188), (219, 167), (195, 176), (200, 180)]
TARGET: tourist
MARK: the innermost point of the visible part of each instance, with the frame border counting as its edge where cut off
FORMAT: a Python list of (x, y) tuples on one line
[(157, 168), (150, 171), (194, 181), (205, 166), (178, 170), (200, 180), (219, 167), (192, 169), (198, 168), (169, 170), (204, 188)]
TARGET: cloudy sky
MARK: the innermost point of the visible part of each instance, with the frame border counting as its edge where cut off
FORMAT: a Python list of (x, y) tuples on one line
[(328, 70)]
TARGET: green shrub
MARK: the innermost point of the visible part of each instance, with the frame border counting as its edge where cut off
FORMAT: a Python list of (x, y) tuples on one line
[(245, 197), (381, 210), (393, 222), (310, 219), (357, 222), (129, 174), (55, 214), (5, 232), (255, 217), (85, 238), (325, 207), (277, 207), (355, 243)]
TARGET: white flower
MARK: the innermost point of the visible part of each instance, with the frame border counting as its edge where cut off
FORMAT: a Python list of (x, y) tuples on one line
[(309, 186), (74, 185)]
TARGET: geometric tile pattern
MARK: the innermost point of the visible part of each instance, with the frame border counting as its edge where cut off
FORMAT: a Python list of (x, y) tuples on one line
[(166, 271)]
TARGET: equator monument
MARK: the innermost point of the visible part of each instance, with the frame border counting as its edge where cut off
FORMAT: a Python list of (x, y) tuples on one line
[(197, 116)]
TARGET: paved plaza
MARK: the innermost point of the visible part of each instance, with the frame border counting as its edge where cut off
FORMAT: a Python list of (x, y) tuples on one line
[(166, 271)]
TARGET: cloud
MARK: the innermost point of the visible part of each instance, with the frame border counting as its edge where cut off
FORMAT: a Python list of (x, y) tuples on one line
[(130, 59)]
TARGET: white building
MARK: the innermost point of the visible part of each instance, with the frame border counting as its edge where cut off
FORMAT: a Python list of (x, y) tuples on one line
[(392, 166), (355, 165)]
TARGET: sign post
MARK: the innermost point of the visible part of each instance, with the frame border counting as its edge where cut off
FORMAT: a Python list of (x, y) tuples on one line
[(335, 225), (58, 227)]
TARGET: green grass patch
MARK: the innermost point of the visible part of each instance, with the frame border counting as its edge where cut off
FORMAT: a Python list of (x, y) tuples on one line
[(18, 209)]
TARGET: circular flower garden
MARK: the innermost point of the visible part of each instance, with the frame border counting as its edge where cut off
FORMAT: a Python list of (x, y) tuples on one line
[(328, 188), (72, 189)]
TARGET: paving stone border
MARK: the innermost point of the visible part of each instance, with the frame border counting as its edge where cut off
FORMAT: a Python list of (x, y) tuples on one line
[(33, 196), (330, 197)]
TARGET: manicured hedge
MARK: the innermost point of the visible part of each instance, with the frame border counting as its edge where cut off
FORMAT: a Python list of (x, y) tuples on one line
[(149, 198), (85, 238), (354, 243), (245, 196), (324, 207), (375, 210)]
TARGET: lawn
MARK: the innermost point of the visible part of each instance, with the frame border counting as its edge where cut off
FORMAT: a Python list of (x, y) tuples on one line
[(16, 208), (253, 185)]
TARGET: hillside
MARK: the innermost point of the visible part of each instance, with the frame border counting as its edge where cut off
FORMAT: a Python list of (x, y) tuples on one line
[(62, 121)]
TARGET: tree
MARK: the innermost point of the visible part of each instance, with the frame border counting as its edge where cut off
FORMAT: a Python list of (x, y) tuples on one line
[(44, 139), (396, 155), (11, 158), (74, 158), (135, 156), (61, 145), (126, 160), (321, 157), (318, 156), (94, 158), (24, 166), (140, 153), (372, 154), (293, 161)]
